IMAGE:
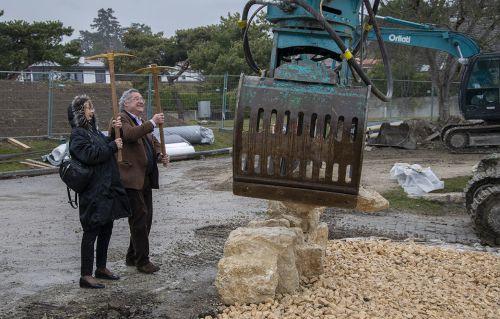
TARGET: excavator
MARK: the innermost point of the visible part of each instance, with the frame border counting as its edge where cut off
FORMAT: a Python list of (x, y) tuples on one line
[(299, 129), (479, 100)]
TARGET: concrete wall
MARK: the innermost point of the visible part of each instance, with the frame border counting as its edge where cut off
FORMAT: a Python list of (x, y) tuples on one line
[(409, 107)]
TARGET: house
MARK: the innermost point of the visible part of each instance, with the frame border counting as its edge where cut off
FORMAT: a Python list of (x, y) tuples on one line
[(187, 76), (85, 71)]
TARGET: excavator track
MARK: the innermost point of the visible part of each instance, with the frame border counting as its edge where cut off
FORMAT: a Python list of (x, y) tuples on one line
[(466, 138), (486, 215)]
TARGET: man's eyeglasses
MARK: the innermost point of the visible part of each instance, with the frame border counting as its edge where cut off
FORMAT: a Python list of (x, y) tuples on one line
[(137, 99)]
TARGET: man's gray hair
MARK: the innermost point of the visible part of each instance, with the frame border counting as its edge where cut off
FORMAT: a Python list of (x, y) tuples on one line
[(125, 96)]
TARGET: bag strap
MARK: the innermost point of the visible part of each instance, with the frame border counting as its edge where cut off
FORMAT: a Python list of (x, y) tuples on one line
[(72, 202)]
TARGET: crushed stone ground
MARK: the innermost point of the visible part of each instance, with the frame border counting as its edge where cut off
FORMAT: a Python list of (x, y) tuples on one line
[(385, 279)]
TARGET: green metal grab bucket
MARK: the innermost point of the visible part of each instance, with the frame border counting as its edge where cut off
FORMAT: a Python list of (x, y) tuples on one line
[(298, 141)]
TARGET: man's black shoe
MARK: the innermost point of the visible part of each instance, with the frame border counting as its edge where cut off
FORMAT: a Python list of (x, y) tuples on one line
[(102, 275), (85, 284)]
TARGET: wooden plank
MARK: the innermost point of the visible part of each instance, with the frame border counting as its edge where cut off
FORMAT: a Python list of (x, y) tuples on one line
[(28, 173), (15, 142), (39, 163), (32, 164)]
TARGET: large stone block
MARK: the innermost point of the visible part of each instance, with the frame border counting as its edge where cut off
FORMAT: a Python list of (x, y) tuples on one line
[(248, 252), (247, 279), (300, 215), (262, 239), (310, 259), (318, 236), (370, 201), (269, 223)]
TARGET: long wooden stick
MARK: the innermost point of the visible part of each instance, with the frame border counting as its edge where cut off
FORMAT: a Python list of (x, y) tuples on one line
[(155, 72), (110, 56), (114, 100)]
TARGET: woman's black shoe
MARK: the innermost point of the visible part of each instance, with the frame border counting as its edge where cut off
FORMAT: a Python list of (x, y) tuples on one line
[(102, 275), (85, 284)]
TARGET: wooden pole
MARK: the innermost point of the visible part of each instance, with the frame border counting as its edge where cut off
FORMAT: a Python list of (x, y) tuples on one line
[(110, 56), (155, 72), (114, 100)]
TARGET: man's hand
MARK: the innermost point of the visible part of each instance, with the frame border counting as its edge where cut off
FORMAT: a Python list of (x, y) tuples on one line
[(158, 118), (117, 123), (165, 159), (119, 143)]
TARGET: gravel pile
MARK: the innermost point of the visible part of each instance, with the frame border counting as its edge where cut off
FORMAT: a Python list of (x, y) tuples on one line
[(384, 279)]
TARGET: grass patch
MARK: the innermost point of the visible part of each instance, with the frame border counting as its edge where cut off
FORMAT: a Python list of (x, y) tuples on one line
[(455, 184), (39, 147), (36, 146), (221, 140), (399, 200)]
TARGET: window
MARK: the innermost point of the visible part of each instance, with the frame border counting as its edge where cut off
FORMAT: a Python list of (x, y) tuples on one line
[(100, 76)]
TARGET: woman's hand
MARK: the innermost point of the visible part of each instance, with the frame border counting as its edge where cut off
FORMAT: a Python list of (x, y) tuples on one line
[(117, 123), (119, 143)]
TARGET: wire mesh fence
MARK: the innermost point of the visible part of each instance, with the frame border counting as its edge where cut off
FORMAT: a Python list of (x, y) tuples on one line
[(35, 103)]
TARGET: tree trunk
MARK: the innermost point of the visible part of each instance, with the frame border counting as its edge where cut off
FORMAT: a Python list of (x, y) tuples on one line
[(444, 107), (178, 102), (171, 81)]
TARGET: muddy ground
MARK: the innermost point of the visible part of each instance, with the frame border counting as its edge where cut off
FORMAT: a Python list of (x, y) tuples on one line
[(194, 212)]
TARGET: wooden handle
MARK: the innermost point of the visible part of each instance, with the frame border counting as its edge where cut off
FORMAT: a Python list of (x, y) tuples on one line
[(114, 100), (158, 110)]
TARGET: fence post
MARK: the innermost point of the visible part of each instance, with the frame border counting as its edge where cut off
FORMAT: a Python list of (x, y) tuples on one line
[(432, 100), (224, 99), (50, 106), (150, 85)]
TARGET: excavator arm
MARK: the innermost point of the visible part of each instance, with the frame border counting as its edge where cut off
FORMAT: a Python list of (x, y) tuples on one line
[(428, 36), (457, 44)]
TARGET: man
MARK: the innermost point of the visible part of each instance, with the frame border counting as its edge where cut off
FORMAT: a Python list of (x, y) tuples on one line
[(139, 175)]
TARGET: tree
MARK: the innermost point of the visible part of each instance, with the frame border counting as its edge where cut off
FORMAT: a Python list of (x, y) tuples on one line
[(213, 49), (477, 19), (219, 48), (23, 44), (149, 48), (108, 34)]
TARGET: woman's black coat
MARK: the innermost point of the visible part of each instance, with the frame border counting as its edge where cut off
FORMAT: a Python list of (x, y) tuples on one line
[(104, 199)]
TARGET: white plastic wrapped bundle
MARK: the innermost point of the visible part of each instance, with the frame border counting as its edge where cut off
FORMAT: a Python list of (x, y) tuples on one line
[(176, 149), (414, 179), (57, 155), (194, 134)]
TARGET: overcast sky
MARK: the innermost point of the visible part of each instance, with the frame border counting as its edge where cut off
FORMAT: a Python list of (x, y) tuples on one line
[(166, 16)]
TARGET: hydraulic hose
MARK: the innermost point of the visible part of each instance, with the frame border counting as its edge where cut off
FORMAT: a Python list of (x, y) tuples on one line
[(381, 45), (246, 46), (348, 55), (365, 28)]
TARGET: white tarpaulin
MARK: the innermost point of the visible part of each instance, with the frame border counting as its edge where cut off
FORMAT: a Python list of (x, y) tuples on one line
[(57, 155), (414, 179), (194, 134), (176, 149)]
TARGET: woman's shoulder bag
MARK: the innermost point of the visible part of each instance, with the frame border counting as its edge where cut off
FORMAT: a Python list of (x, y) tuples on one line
[(76, 176)]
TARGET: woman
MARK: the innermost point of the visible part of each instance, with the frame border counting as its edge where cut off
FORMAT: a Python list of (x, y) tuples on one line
[(104, 199)]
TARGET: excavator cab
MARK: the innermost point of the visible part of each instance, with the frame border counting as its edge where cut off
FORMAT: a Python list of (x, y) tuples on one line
[(481, 88), (479, 100)]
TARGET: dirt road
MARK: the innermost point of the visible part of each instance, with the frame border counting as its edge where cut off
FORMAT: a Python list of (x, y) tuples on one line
[(194, 212)]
